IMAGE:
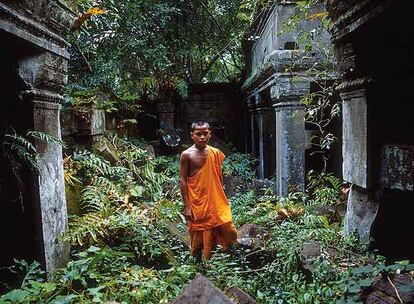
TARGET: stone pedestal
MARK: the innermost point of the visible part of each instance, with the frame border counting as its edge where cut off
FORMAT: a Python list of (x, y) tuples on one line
[(290, 147)]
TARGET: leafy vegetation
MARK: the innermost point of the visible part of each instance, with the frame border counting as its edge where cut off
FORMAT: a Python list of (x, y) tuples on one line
[(129, 239), (130, 51), (239, 164)]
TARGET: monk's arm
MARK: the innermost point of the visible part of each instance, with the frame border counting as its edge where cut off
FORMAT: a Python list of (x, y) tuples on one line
[(184, 162)]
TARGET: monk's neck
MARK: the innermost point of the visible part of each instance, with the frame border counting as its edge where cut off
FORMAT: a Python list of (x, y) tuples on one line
[(201, 149)]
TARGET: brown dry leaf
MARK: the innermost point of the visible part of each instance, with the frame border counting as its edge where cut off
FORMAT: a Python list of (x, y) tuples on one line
[(93, 11), (318, 15)]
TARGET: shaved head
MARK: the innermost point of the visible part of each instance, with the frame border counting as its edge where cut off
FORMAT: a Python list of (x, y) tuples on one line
[(199, 124)]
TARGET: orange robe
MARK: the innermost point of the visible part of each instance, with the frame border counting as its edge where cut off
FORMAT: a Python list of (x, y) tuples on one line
[(212, 218)]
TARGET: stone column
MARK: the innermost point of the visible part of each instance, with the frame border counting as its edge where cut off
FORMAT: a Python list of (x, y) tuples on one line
[(44, 75), (290, 132), (290, 147), (362, 207), (261, 112), (252, 113)]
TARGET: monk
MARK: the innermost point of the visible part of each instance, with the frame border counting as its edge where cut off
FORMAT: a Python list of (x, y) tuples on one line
[(205, 204)]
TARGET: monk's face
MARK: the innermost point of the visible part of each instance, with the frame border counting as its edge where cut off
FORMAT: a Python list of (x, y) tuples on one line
[(201, 136)]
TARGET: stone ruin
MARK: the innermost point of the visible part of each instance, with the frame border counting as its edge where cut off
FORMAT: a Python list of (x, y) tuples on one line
[(33, 71), (278, 65), (374, 46), (201, 291), (373, 43)]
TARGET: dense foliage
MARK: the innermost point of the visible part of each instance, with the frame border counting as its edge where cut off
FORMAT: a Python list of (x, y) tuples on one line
[(129, 241), (139, 49)]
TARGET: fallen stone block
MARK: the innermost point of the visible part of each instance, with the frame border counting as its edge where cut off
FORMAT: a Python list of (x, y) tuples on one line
[(201, 291), (239, 296)]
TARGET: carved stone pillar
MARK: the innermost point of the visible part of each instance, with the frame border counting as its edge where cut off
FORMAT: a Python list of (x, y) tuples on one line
[(44, 75), (261, 113), (290, 134), (362, 207), (252, 113), (290, 147)]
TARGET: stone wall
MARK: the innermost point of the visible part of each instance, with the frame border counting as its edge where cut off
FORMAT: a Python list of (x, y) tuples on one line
[(216, 103)]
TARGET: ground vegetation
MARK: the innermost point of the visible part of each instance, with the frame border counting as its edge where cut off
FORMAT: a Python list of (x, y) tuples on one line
[(129, 241)]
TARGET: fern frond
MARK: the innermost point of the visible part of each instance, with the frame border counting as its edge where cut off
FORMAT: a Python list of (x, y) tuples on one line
[(21, 149), (46, 138), (87, 229), (92, 198)]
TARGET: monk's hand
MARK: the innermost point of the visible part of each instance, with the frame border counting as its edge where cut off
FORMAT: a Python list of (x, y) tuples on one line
[(188, 214)]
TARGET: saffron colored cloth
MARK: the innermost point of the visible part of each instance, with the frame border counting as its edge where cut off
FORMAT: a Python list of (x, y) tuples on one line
[(205, 240), (206, 196)]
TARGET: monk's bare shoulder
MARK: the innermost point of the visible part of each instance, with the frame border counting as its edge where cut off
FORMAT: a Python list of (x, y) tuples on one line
[(187, 154)]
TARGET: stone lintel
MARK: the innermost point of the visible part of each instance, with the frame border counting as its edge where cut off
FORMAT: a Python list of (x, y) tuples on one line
[(349, 17), (278, 61), (289, 105), (14, 23)]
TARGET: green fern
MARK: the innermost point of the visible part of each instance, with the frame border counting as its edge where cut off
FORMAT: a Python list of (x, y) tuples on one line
[(46, 138), (87, 229), (16, 147)]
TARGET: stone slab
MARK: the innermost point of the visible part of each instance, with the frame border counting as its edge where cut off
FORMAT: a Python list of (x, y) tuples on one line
[(201, 291), (355, 138)]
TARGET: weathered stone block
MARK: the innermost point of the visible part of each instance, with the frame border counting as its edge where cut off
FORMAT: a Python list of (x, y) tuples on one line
[(355, 138), (287, 87), (397, 168), (239, 296), (360, 213), (90, 122), (201, 291), (251, 235)]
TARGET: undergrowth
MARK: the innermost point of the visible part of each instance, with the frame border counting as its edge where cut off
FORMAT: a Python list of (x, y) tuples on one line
[(129, 241)]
